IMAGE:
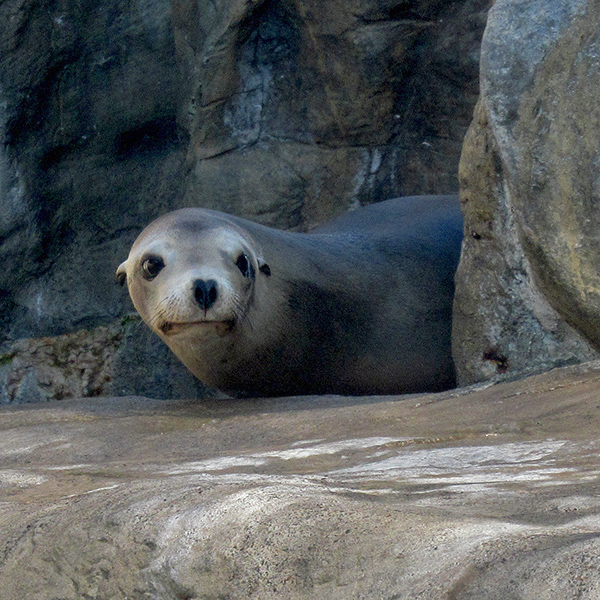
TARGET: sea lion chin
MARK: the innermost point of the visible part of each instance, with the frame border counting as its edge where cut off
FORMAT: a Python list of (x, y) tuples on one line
[(220, 327)]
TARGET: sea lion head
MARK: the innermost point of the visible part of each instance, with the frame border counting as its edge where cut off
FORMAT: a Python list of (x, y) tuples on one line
[(192, 273)]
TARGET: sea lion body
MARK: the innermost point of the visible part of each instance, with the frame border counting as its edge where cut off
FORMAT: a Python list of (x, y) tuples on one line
[(359, 306)]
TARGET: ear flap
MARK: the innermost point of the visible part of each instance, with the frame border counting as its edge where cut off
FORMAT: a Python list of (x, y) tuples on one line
[(121, 274), (263, 267)]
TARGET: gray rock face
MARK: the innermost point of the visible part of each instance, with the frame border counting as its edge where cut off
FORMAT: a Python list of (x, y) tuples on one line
[(88, 121), (528, 284), (288, 112), (325, 104), (486, 494)]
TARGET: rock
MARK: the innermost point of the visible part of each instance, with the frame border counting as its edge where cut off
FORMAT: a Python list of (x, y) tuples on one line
[(90, 148), (94, 362), (528, 286), (336, 104), (484, 493), (68, 366)]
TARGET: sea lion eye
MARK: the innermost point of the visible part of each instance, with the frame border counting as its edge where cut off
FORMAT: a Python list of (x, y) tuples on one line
[(151, 267), (243, 264)]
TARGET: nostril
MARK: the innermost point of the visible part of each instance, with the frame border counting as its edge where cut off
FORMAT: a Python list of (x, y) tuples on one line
[(205, 292), (212, 292), (199, 293)]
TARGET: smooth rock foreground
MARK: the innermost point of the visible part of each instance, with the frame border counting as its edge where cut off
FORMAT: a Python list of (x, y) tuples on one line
[(476, 494)]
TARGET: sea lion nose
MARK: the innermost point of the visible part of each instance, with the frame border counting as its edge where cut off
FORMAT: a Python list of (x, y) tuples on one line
[(205, 292)]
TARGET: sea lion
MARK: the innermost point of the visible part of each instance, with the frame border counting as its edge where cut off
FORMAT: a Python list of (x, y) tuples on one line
[(359, 306)]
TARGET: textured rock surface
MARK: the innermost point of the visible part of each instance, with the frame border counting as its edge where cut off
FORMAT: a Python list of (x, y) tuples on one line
[(528, 287), (114, 360), (90, 149), (286, 111), (324, 103), (487, 494)]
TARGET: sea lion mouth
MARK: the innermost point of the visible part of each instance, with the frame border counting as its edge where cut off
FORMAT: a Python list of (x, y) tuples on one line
[(173, 328)]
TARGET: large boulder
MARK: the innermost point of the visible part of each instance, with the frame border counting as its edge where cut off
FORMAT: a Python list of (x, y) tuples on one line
[(287, 112), (528, 286), (430, 496)]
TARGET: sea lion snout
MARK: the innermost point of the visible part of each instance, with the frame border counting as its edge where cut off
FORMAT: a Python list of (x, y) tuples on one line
[(205, 292)]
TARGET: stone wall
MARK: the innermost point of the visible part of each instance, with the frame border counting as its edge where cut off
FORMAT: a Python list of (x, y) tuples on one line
[(286, 111)]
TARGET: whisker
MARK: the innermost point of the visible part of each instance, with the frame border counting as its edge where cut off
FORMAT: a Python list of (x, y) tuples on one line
[(239, 310)]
